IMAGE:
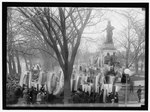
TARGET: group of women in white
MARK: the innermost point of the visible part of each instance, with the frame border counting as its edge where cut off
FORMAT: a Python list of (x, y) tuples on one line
[(53, 82), (97, 83)]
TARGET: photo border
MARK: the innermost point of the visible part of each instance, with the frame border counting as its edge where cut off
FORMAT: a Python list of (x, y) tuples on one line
[(145, 7)]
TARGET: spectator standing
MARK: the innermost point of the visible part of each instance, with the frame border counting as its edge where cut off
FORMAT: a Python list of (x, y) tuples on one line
[(139, 92)]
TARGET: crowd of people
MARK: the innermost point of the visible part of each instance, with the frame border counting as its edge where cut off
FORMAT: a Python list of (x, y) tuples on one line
[(89, 84), (35, 87), (32, 95), (84, 97), (95, 85), (112, 59)]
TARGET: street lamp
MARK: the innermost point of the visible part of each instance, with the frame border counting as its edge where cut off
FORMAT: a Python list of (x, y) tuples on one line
[(128, 73)]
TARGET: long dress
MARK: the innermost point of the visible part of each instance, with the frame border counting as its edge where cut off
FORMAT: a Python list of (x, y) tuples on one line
[(22, 77), (42, 78), (26, 79), (49, 77), (53, 82), (60, 85), (78, 82), (97, 83), (72, 81)]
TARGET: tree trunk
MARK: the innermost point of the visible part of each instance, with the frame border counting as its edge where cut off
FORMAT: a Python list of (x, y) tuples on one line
[(30, 62), (142, 64), (14, 66), (25, 59), (136, 66), (7, 67), (127, 57), (10, 65), (67, 88), (141, 67), (18, 64), (67, 91)]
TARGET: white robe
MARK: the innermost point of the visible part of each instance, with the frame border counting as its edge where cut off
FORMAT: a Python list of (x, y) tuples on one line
[(76, 85), (97, 83), (49, 77), (30, 79), (72, 81), (26, 79), (60, 85), (42, 78), (107, 89), (22, 78)]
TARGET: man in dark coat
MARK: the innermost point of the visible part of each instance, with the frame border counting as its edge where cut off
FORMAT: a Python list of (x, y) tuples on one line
[(26, 95), (101, 96), (76, 98), (34, 95), (139, 93), (123, 79), (116, 97), (18, 92), (108, 98)]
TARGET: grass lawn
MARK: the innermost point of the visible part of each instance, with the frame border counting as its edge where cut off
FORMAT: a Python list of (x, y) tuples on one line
[(137, 78)]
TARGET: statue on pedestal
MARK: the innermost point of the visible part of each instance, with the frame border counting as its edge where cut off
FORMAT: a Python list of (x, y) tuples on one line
[(109, 30)]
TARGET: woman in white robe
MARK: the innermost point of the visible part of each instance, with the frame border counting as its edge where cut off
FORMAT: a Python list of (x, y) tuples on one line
[(23, 78), (72, 81), (42, 79), (77, 81), (26, 79), (49, 77), (97, 83), (60, 85)]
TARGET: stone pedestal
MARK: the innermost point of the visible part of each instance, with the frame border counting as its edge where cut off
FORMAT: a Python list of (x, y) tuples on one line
[(107, 48)]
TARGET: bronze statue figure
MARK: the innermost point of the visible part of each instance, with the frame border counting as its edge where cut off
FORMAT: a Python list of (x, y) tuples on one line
[(109, 30)]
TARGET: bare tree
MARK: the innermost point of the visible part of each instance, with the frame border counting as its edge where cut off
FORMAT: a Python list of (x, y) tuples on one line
[(134, 34), (61, 28), (12, 53)]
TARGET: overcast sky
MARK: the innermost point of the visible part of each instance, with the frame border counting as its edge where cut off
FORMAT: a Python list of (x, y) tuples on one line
[(95, 32)]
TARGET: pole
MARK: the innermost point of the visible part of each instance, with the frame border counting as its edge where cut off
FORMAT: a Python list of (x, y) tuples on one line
[(126, 92), (128, 73)]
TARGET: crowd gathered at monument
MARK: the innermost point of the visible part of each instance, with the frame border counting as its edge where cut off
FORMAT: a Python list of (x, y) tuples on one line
[(88, 84)]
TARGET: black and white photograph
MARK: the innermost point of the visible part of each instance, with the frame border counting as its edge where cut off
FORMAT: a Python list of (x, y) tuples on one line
[(79, 56)]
